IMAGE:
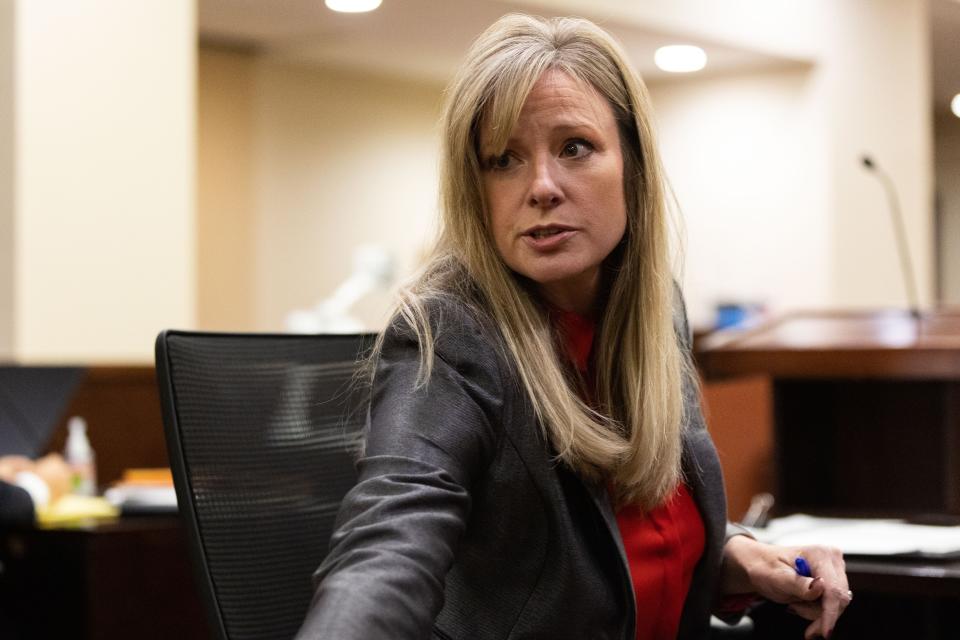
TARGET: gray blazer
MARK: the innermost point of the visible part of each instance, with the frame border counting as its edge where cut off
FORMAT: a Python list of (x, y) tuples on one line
[(462, 527)]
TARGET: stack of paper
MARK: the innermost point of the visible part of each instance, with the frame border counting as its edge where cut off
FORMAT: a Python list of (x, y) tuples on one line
[(144, 490), (863, 536)]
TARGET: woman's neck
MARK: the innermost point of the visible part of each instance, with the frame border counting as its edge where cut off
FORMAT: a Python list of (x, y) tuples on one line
[(578, 296)]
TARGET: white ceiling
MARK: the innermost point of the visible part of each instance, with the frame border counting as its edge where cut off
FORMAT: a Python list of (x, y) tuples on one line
[(423, 39)]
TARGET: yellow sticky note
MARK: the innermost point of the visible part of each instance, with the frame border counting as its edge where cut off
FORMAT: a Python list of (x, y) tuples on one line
[(71, 509)]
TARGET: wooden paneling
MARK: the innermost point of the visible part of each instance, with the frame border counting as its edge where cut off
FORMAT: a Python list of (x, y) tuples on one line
[(739, 416), (866, 408), (112, 581), (124, 424), (874, 447)]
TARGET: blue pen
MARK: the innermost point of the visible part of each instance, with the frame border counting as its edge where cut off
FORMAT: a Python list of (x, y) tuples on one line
[(802, 567)]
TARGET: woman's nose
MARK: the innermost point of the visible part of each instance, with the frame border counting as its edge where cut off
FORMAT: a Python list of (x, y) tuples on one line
[(545, 191)]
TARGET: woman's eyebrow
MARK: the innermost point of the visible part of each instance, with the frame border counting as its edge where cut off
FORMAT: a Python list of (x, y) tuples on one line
[(568, 127), (581, 129)]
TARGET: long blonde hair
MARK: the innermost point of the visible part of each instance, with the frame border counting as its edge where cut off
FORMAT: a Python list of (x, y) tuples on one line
[(633, 437)]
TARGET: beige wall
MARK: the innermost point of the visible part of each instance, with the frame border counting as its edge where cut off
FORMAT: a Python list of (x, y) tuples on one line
[(877, 88), (343, 160), (104, 193), (336, 160), (6, 178), (226, 132), (948, 191), (744, 156)]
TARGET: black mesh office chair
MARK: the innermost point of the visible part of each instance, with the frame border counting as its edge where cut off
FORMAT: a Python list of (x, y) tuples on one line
[(262, 432)]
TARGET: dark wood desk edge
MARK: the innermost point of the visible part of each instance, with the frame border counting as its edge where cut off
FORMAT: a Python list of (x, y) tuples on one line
[(122, 524), (738, 353), (901, 364), (899, 576)]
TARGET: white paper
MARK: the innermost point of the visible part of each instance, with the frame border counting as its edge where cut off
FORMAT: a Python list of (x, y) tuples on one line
[(128, 496), (862, 536)]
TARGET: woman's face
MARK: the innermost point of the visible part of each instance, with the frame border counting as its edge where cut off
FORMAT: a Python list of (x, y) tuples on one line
[(555, 196)]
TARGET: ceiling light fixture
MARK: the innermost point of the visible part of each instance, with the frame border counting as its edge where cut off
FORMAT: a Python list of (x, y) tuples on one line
[(680, 58), (352, 6), (955, 105)]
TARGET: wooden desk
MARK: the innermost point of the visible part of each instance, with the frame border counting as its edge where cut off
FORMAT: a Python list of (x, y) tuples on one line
[(866, 408), (906, 578), (866, 413), (131, 579), (127, 580)]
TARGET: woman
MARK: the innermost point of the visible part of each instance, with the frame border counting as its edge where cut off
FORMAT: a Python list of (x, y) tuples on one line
[(536, 464)]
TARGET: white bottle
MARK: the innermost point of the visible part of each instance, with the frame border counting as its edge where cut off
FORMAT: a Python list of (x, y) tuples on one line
[(80, 458)]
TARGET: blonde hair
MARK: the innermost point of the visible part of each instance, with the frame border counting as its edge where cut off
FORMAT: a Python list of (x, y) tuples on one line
[(633, 438)]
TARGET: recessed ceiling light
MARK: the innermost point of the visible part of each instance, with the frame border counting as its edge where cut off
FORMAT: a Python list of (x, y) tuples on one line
[(352, 6), (955, 105), (680, 58)]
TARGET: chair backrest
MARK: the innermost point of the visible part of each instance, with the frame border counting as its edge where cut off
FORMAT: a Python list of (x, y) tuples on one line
[(262, 433)]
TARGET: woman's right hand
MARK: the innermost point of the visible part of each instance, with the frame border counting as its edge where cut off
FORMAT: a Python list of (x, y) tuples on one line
[(768, 570)]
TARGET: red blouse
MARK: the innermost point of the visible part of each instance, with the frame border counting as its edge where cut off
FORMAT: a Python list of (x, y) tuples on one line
[(662, 546)]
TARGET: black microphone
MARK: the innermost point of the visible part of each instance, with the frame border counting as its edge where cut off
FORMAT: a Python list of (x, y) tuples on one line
[(899, 230)]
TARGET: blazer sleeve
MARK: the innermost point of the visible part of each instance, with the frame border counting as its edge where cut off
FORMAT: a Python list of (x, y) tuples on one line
[(397, 530)]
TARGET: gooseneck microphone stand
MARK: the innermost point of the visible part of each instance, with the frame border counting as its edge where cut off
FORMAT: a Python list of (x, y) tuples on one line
[(899, 230)]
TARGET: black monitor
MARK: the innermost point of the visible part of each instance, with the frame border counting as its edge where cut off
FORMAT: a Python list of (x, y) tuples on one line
[(32, 402)]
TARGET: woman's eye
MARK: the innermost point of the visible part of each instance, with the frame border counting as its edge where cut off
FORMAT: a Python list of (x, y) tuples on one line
[(576, 148), (500, 162)]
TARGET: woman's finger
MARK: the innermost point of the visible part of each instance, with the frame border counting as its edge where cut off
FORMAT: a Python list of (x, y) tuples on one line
[(815, 630), (834, 601), (828, 567)]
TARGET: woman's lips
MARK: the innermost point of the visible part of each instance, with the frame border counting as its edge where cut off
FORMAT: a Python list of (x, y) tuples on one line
[(547, 238)]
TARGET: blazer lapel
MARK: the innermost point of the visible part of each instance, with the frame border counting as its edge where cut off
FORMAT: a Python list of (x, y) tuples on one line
[(601, 499)]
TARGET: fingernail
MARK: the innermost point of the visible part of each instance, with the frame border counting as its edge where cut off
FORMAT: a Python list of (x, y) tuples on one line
[(813, 583)]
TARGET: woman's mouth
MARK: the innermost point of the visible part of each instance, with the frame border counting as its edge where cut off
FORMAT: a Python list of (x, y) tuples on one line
[(543, 233), (547, 238)]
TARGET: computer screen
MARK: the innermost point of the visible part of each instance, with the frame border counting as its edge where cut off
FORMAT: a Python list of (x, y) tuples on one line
[(32, 402)]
